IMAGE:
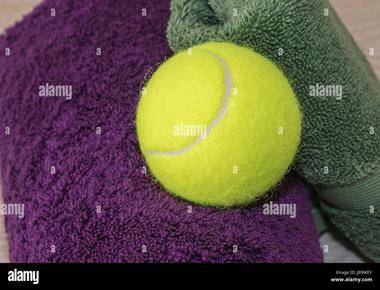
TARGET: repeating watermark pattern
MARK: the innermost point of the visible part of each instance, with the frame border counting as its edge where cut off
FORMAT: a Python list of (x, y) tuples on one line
[(24, 276), (48, 90), (12, 209), (190, 130), (272, 208), (319, 90)]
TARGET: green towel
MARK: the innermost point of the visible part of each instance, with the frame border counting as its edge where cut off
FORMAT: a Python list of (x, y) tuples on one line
[(337, 89)]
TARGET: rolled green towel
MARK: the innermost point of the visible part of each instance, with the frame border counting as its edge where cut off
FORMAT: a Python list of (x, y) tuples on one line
[(337, 89)]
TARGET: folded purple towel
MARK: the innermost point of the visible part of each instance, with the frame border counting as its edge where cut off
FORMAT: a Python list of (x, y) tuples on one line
[(73, 159)]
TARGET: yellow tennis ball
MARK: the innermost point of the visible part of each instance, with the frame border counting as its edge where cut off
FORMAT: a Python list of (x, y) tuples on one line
[(218, 124)]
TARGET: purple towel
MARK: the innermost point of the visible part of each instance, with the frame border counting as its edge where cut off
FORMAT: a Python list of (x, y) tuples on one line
[(74, 160)]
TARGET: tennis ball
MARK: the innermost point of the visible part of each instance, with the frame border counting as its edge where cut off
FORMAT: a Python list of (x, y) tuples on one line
[(218, 124)]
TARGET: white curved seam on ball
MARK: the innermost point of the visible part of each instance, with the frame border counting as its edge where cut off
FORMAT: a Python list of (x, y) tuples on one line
[(226, 98)]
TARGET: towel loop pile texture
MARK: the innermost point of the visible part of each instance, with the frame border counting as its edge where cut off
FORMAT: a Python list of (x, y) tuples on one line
[(98, 205), (338, 155)]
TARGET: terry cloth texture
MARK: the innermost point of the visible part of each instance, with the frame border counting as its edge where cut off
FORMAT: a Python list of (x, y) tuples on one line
[(340, 140), (87, 196)]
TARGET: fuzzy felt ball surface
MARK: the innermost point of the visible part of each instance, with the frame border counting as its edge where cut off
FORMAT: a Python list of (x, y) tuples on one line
[(340, 153), (218, 124), (100, 206)]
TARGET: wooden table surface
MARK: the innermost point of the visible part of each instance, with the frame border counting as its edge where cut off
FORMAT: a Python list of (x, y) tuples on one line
[(361, 18)]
